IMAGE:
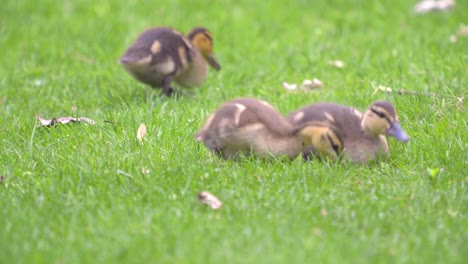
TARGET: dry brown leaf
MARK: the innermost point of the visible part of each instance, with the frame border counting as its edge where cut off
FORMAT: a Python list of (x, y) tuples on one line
[(209, 199), (64, 120), (141, 132)]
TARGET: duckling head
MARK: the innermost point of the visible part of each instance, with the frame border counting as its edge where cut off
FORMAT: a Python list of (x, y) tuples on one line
[(381, 119), (320, 138), (202, 40)]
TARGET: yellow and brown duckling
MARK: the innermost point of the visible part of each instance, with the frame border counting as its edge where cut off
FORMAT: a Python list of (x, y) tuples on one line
[(320, 140), (363, 135), (162, 55), (247, 126)]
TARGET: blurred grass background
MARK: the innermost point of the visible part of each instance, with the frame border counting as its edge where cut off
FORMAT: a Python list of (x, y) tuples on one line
[(81, 194)]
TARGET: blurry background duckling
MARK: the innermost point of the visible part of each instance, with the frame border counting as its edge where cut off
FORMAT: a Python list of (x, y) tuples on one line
[(162, 55), (247, 126), (363, 135)]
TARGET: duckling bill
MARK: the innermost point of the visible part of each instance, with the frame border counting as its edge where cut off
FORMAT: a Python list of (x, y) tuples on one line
[(161, 55), (247, 126), (363, 135)]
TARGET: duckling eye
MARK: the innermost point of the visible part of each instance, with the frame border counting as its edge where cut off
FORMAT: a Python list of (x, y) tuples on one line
[(380, 114), (334, 146)]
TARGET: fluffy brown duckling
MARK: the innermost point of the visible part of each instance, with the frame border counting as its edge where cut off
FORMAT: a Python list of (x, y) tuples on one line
[(247, 126), (363, 135), (162, 55)]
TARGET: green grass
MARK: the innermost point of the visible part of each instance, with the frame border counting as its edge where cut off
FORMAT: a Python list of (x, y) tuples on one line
[(77, 194)]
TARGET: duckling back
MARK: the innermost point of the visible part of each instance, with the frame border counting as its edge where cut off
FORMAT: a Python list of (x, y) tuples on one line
[(246, 125), (156, 54), (344, 118)]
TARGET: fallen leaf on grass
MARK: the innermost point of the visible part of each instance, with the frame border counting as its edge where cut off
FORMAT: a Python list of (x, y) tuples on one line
[(399, 91), (459, 103), (462, 32), (38, 82), (64, 120), (305, 86), (337, 63), (453, 38), (311, 85), (209, 199), (145, 171), (2, 178), (258, 178), (433, 5), (323, 212), (289, 87), (141, 132)]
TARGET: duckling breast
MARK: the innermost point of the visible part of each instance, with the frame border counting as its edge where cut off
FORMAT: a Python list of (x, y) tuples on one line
[(365, 148), (194, 73)]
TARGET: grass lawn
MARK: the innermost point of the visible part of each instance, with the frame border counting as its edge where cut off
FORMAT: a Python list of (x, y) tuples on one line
[(94, 194)]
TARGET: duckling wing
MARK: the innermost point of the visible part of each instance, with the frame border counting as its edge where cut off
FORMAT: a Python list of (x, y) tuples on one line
[(238, 120), (158, 45), (260, 112)]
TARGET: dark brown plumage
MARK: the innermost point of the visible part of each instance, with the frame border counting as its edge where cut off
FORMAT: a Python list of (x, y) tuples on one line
[(363, 135), (245, 126), (162, 55)]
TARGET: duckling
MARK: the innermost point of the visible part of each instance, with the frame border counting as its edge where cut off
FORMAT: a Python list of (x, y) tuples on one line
[(247, 126), (162, 55), (363, 135), (320, 140)]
